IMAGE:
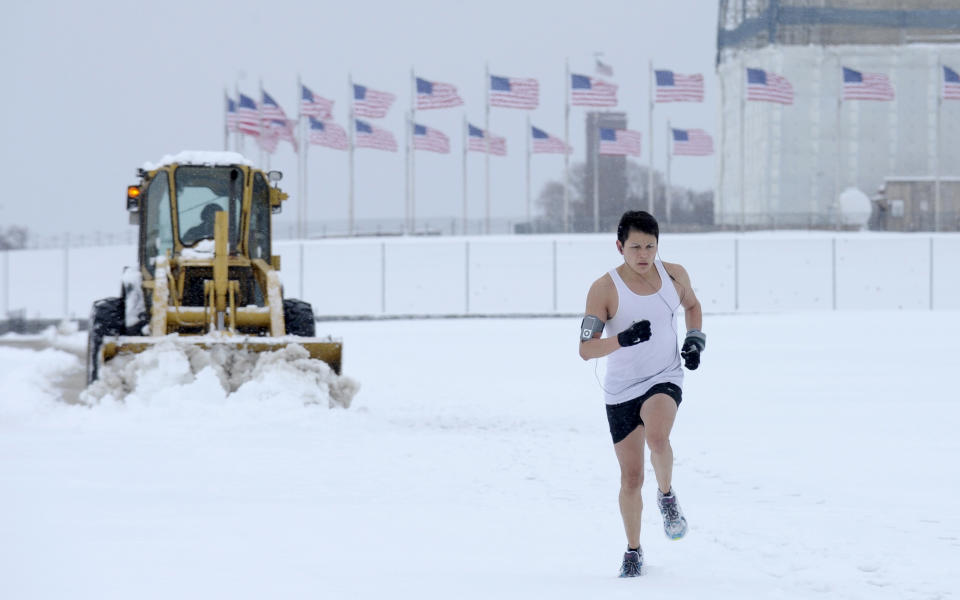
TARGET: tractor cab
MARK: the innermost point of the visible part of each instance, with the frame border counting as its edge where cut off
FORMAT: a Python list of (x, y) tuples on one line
[(176, 205)]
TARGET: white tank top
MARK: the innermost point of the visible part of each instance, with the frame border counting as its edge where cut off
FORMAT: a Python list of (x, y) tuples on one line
[(633, 370)]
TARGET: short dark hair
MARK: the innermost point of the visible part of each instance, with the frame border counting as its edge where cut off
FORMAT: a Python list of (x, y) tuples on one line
[(639, 220)]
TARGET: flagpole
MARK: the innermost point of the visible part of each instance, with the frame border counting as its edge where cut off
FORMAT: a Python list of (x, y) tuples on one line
[(528, 135), (667, 195), (486, 157), (596, 175), (305, 161), (352, 127), (226, 115), (260, 126), (413, 154), (718, 213), (743, 169), (835, 204), (941, 76), (238, 140), (566, 155), (650, 129), (301, 171), (465, 136), (406, 196)]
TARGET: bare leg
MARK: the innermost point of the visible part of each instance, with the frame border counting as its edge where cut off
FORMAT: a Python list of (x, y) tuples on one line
[(630, 456), (658, 414)]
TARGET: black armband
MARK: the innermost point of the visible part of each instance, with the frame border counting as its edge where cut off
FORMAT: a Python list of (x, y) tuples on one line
[(589, 327)]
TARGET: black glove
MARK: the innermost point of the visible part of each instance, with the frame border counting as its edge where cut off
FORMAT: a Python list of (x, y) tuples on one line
[(693, 345), (636, 333)]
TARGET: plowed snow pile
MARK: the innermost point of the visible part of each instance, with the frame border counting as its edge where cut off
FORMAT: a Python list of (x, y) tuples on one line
[(30, 388), (174, 370)]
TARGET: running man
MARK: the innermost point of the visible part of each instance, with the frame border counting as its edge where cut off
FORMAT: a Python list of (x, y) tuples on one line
[(637, 303)]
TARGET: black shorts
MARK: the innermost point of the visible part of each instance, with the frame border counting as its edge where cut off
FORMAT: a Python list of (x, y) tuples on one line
[(625, 417)]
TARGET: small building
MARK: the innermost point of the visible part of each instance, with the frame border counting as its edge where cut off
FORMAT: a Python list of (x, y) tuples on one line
[(910, 204)]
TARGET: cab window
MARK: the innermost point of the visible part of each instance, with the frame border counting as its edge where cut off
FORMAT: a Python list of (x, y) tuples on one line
[(202, 192), (159, 228), (260, 219)]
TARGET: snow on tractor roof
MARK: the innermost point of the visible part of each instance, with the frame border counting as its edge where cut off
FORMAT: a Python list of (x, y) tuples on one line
[(199, 157)]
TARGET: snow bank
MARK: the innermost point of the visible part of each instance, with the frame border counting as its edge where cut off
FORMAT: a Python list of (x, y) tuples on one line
[(175, 372), (66, 335), (27, 381)]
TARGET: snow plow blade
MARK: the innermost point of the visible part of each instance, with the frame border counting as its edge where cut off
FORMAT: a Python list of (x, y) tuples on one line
[(326, 349)]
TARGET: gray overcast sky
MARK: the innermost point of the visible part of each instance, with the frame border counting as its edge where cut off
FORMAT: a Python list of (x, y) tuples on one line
[(92, 90)]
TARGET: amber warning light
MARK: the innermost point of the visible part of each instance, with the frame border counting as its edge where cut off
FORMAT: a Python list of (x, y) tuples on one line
[(133, 197)]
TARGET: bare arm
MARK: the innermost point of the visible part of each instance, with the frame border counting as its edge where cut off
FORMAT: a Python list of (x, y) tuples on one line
[(692, 312), (598, 301)]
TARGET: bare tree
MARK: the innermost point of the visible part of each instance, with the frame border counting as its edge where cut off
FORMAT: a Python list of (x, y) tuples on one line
[(13, 238), (689, 207)]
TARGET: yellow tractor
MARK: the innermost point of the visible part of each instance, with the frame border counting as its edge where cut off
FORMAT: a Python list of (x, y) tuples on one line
[(207, 271)]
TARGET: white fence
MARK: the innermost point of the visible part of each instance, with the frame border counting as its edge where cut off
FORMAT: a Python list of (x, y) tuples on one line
[(543, 275)]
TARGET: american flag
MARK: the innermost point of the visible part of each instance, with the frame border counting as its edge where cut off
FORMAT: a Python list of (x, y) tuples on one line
[(619, 141), (270, 110), (371, 103), (866, 86), (327, 133), (429, 139), (764, 86), (433, 94), (692, 142), (674, 87), (232, 118), (283, 130), (478, 142), (269, 140), (545, 143), (951, 84), (604, 69), (587, 91), (248, 116), (513, 92), (370, 136), (312, 105)]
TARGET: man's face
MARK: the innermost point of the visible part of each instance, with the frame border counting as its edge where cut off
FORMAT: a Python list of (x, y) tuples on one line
[(638, 251)]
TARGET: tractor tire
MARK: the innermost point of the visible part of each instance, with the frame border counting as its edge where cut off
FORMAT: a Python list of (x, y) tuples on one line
[(298, 318), (106, 319)]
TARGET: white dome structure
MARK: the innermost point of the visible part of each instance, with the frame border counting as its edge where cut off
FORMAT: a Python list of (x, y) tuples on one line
[(855, 208)]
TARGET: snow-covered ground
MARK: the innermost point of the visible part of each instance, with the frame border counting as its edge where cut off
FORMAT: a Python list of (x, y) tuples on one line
[(816, 458)]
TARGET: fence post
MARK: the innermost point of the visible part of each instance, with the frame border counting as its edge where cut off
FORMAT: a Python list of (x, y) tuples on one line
[(736, 274), (833, 274), (383, 277), (6, 283), (554, 275), (301, 271), (931, 272), (466, 277), (66, 282)]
